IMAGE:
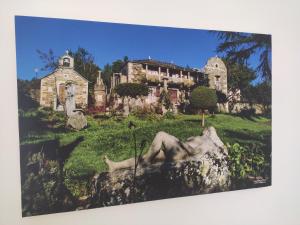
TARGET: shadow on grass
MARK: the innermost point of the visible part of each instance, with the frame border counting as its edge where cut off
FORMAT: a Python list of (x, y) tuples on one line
[(42, 177), (247, 136), (39, 124)]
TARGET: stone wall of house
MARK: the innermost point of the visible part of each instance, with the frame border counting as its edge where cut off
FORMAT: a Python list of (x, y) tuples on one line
[(135, 72), (100, 94), (50, 87), (240, 106), (217, 74)]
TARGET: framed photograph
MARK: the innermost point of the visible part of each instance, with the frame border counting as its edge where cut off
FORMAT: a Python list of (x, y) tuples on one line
[(113, 114)]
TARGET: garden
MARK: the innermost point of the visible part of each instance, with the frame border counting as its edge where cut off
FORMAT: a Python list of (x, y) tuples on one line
[(70, 159)]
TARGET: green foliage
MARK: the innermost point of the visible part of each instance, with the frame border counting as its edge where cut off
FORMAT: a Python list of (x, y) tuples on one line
[(25, 99), (239, 47), (108, 70), (145, 113), (111, 137), (260, 94), (49, 60), (132, 90), (106, 74), (165, 99), (42, 187), (169, 115), (239, 75), (245, 161), (84, 64), (203, 98), (221, 97)]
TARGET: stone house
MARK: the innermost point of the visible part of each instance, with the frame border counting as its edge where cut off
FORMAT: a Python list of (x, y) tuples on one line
[(54, 86), (177, 80)]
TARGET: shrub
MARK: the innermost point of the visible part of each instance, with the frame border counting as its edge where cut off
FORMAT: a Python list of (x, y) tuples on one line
[(169, 115), (245, 161), (165, 99), (247, 112), (221, 97), (145, 113), (203, 98), (43, 190), (132, 90)]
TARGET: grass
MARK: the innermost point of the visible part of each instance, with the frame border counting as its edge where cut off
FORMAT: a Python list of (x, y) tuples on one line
[(113, 138)]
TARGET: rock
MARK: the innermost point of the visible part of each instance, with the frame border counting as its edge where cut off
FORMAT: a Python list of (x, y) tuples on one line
[(199, 174), (76, 121)]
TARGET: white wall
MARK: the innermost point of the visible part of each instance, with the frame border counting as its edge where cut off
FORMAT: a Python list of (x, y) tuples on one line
[(278, 204)]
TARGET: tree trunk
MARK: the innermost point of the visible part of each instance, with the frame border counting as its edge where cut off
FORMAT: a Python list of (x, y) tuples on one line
[(202, 121)]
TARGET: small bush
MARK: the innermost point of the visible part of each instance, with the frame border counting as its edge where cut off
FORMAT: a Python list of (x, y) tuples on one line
[(203, 98), (132, 90), (169, 115), (165, 99), (247, 112), (246, 161), (145, 113)]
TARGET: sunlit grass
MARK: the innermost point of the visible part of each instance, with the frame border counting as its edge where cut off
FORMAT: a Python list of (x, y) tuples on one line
[(113, 138)]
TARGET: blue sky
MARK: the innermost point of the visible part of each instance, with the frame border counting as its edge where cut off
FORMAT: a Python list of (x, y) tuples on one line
[(108, 42)]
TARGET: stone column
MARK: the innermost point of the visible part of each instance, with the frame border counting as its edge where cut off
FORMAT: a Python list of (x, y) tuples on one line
[(146, 70), (167, 72), (165, 84), (188, 75), (159, 71), (181, 75)]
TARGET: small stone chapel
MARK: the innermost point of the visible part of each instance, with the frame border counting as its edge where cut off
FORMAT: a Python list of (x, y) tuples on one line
[(64, 83)]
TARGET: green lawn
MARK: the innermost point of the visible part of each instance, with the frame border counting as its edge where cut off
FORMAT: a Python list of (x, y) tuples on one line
[(113, 138)]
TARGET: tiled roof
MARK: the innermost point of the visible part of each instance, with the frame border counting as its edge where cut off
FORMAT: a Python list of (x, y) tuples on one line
[(163, 64)]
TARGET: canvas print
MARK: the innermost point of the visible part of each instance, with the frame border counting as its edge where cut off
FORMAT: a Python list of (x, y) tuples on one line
[(113, 114)]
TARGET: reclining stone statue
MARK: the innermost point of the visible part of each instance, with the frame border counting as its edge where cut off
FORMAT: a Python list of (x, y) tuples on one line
[(167, 148)]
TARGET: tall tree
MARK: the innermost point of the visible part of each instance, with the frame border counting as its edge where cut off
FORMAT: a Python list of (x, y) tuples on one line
[(239, 80), (115, 67), (84, 64), (49, 59), (106, 75), (260, 94), (239, 47)]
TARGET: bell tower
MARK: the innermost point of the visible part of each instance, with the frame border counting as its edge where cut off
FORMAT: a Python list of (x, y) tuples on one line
[(217, 74), (66, 61)]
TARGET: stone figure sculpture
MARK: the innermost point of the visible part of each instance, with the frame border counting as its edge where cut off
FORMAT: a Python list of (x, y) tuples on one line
[(70, 99), (166, 147)]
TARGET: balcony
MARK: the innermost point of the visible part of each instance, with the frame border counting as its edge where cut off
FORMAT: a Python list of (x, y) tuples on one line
[(154, 78)]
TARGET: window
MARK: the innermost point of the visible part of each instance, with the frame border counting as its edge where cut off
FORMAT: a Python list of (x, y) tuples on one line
[(66, 62), (217, 83)]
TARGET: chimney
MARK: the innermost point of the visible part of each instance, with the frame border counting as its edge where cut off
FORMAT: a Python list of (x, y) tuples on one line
[(99, 77)]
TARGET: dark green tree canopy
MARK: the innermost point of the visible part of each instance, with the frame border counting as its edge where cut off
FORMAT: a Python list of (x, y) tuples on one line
[(221, 97), (260, 94), (203, 98), (49, 60), (239, 47), (240, 76), (109, 69), (132, 90), (165, 99), (83, 62)]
